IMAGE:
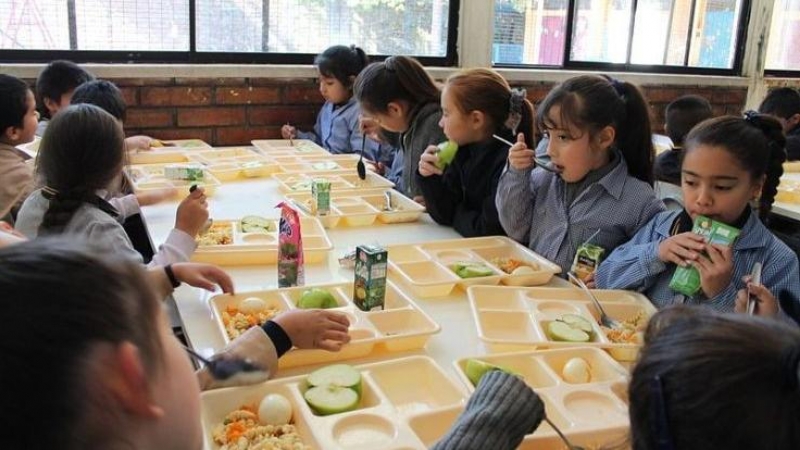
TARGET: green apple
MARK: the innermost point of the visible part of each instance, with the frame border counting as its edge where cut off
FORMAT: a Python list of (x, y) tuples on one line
[(475, 369), (576, 321), (317, 298), (341, 375), (447, 152), (471, 270), (562, 331), (326, 400)]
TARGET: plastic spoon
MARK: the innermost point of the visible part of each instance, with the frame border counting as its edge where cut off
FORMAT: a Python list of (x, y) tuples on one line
[(604, 319), (755, 281), (540, 162), (360, 167), (561, 435), (224, 368)]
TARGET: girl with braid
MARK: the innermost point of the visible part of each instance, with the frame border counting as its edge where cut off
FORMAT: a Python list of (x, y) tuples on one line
[(729, 163), (80, 160)]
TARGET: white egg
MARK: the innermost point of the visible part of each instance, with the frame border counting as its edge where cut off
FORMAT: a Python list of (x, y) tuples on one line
[(252, 305), (523, 270), (274, 409), (577, 370)]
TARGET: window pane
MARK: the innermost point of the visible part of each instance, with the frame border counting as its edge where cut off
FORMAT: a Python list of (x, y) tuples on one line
[(529, 32), (601, 30), (716, 23), (309, 26), (784, 35), (661, 31), (145, 25), (23, 25)]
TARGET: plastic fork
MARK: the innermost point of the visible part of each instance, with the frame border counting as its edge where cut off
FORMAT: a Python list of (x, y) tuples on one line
[(604, 319), (362, 170), (561, 435), (540, 162), (224, 368)]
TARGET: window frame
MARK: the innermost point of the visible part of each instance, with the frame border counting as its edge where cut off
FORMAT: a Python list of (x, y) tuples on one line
[(192, 56), (569, 64)]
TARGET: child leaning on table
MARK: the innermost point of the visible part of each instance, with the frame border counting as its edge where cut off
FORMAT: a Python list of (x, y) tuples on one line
[(80, 160), (18, 118), (600, 146), (54, 88), (728, 163), (88, 335), (337, 128)]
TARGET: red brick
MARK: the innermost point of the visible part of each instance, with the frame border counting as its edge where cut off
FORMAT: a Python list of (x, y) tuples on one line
[(175, 96), (259, 81), (302, 94), (179, 133), (210, 81), (278, 115), (130, 94), (150, 118), (660, 94), (216, 116), (243, 135), (142, 81), (247, 95)]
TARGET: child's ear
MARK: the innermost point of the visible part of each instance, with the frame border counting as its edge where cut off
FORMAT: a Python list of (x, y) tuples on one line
[(758, 187), (127, 380), (605, 137), (51, 105), (351, 81), (9, 134), (477, 119), (793, 120), (395, 109)]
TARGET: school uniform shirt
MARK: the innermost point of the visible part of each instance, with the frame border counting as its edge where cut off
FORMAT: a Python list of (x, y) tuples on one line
[(424, 130), (16, 179), (463, 196), (793, 144), (667, 166), (104, 231), (337, 130), (41, 127), (636, 266), (533, 209)]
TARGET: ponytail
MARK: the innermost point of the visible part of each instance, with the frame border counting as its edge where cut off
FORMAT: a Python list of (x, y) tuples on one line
[(341, 62), (396, 78), (634, 135), (64, 205), (776, 156)]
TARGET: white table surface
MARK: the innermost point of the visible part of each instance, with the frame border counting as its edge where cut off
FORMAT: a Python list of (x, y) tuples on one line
[(457, 339)]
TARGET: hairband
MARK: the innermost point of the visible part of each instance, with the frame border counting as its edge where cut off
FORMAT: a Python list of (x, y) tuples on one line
[(752, 117), (790, 366), (515, 102), (617, 85)]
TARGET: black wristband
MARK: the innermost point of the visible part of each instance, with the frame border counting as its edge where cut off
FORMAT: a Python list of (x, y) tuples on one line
[(278, 336), (171, 275)]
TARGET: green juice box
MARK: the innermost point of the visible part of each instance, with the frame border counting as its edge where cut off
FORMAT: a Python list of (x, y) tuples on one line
[(321, 197), (587, 259), (369, 288), (686, 280)]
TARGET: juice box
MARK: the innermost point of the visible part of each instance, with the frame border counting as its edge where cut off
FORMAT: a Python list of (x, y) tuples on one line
[(587, 259), (290, 248), (189, 172), (369, 289), (686, 280), (321, 196)]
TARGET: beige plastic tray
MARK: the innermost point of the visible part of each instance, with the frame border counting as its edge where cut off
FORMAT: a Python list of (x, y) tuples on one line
[(173, 151), (426, 267), (341, 183), (362, 209), (511, 319), (317, 163), (788, 191), (230, 163), (401, 326), (262, 248), (398, 396), (282, 147), (149, 177), (793, 166), (593, 414)]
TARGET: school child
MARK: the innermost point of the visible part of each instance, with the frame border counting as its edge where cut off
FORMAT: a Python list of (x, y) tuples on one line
[(601, 193), (54, 88), (88, 335), (476, 104), (337, 128), (784, 104), (398, 96), (680, 116), (80, 159), (18, 119), (728, 162)]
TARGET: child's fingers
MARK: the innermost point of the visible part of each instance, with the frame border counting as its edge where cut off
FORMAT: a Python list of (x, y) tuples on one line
[(337, 336), (338, 318), (336, 326), (521, 138), (221, 278), (331, 346), (740, 304)]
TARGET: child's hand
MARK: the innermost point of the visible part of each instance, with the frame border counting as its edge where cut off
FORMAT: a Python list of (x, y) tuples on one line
[(715, 270), (204, 276), (288, 132), (419, 199), (137, 143), (371, 128), (155, 196), (10, 236), (681, 249), (520, 157), (315, 328), (192, 213), (428, 160), (766, 303)]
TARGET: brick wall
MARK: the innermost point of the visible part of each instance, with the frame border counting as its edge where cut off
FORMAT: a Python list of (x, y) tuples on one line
[(233, 111)]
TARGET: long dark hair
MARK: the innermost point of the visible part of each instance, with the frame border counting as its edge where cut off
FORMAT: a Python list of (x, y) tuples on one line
[(592, 102), (758, 144), (486, 91), (396, 78), (341, 62), (60, 300), (707, 380), (81, 152)]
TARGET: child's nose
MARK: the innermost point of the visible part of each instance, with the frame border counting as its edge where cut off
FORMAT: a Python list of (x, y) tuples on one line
[(704, 197), (550, 150)]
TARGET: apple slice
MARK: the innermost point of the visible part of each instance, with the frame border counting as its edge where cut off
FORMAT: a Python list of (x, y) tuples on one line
[(475, 369), (576, 321), (339, 375), (561, 331), (331, 399)]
